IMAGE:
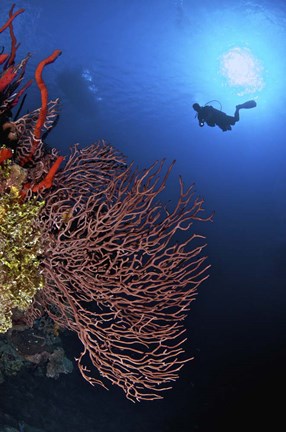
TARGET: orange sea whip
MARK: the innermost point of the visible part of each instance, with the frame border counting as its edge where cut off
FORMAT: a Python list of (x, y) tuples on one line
[(11, 19), (44, 100), (5, 154)]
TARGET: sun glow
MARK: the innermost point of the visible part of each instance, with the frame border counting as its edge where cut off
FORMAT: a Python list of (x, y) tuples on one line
[(242, 70)]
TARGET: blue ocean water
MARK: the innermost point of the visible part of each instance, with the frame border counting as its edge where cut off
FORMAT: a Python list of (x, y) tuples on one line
[(129, 73)]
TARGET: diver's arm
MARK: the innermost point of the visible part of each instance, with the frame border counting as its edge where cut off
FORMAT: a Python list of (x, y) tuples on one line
[(206, 116), (201, 120), (210, 115)]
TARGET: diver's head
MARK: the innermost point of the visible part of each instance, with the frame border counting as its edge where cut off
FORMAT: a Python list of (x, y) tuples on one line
[(196, 107)]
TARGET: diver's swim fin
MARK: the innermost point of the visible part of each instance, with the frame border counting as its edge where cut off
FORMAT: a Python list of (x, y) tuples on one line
[(247, 105)]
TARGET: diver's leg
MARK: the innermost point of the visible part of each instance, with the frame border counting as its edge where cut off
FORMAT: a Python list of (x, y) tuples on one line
[(233, 119), (236, 114)]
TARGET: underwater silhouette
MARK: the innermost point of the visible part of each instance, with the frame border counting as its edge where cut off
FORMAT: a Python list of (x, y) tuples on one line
[(214, 117)]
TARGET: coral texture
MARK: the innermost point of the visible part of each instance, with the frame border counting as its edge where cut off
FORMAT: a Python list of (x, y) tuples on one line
[(109, 260)]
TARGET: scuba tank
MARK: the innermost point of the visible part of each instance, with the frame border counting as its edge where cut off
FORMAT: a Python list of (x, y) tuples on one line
[(214, 100)]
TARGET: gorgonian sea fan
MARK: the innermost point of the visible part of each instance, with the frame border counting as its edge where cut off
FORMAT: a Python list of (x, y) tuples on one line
[(113, 270)]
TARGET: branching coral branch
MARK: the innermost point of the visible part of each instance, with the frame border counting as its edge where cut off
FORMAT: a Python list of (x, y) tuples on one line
[(14, 45), (114, 272), (44, 106), (11, 18)]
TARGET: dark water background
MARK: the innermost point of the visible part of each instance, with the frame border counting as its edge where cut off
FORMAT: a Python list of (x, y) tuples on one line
[(130, 72)]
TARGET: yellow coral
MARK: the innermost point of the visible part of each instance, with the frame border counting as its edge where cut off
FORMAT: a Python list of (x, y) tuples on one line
[(20, 247)]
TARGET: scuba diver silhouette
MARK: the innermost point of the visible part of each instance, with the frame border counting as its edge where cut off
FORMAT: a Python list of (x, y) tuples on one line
[(214, 117)]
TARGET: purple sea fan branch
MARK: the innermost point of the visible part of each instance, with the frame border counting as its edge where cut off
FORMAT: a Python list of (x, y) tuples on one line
[(43, 157), (114, 271)]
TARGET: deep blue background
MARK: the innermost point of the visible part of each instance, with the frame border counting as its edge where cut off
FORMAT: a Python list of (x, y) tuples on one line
[(129, 73)]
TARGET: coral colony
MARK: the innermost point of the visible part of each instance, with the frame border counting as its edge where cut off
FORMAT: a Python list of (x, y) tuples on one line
[(85, 240)]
